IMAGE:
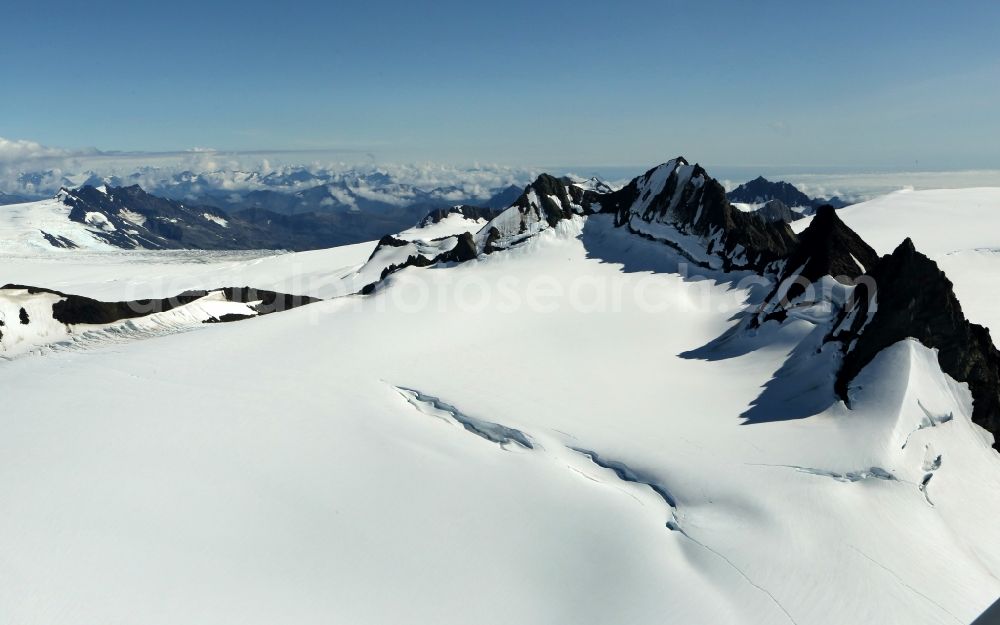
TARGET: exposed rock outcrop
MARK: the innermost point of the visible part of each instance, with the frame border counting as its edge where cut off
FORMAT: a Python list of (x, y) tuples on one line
[(544, 203), (777, 211), (827, 247), (72, 309), (912, 297), (128, 217), (677, 200)]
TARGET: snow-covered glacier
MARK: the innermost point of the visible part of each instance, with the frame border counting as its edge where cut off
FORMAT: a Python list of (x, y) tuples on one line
[(582, 420)]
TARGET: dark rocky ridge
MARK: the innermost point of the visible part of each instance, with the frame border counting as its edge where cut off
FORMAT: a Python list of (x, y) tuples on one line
[(77, 309), (913, 298), (701, 208), (464, 249), (269, 301), (827, 247), (544, 187), (689, 200), (543, 204), (776, 210), (157, 223)]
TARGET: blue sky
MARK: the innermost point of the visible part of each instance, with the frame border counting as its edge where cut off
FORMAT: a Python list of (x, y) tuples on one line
[(873, 84)]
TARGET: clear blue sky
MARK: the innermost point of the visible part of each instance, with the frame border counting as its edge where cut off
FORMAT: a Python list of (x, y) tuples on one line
[(886, 84)]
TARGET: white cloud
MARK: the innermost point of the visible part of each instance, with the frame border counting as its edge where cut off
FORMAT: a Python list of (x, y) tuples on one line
[(20, 151)]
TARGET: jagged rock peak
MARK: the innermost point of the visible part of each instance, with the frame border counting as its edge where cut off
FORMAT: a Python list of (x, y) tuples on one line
[(550, 196), (827, 247), (910, 297), (677, 200), (544, 203)]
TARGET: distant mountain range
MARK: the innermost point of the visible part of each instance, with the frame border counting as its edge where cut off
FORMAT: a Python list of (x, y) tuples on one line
[(292, 190), (196, 211), (380, 195), (130, 218)]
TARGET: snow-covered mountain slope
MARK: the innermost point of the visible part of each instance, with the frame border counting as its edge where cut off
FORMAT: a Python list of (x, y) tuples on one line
[(812, 275), (449, 222), (139, 274), (27, 228), (179, 290), (122, 217), (575, 426)]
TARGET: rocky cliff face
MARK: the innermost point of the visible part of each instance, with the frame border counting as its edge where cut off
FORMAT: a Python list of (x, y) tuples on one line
[(827, 247), (542, 205), (777, 211), (676, 203), (912, 297), (677, 200)]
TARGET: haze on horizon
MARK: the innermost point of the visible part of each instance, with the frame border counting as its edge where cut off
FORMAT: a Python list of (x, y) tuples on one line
[(894, 85)]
